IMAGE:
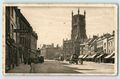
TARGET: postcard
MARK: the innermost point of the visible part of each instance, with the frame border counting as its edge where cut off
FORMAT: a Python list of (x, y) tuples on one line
[(60, 39)]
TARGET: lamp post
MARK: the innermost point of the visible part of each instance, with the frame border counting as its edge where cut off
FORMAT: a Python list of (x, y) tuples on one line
[(38, 52)]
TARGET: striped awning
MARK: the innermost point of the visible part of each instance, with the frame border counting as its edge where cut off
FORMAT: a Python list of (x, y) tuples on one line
[(113, 57), (100, 55), (81, 56), (85, 56), (93, 55), (110, 55), (88, 57)]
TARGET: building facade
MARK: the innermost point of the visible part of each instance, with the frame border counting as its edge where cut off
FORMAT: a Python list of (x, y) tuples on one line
[(18, 38), (99, 49), (93, 45), (51, 52), (111, 44), (33, 51), (67, 48), (25, 37), (105, 44), (110, 49), (89, 48), (12, 38), (99, 45)]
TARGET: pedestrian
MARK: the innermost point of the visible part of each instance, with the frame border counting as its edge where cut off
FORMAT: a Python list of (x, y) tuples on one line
[(29, 63), (81, 60)]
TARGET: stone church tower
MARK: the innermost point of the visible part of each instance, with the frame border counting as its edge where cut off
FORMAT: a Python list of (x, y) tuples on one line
[(78, 33)]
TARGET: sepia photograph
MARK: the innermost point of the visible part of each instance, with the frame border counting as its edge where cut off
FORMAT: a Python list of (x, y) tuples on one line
[(60, 39)]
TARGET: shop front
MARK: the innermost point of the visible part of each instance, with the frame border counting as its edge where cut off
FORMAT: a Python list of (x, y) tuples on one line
[(109, 58)]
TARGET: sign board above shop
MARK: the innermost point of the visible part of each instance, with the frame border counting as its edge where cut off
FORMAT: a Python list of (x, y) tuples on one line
[(22, 30)]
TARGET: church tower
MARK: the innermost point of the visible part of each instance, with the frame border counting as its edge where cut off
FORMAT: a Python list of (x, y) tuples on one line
[(78, 33)]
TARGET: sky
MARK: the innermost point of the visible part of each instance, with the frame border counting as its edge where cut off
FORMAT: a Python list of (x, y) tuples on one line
[(53, 24)]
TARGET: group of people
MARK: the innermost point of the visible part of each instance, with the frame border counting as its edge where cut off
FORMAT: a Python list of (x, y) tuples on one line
[(32, 61), (74, 59)]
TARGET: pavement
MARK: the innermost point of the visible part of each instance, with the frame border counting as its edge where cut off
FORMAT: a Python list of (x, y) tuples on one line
[(22, 68), (52, 66)]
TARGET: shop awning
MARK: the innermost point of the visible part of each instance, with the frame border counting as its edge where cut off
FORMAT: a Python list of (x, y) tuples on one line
[(85, 56), (110, 55), (113, 57), (81, 56), (88, 57), (93, 55), (100, 55)]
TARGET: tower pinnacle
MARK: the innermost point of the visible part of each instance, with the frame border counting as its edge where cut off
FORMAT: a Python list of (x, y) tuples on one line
[(84, 12), (78, 11), (72, 13)]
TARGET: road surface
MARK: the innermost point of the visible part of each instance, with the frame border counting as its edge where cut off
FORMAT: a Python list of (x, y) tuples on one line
[(52, 66)]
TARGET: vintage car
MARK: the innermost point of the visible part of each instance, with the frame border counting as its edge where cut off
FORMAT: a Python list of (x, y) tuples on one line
[(74, 59), (41, 59)]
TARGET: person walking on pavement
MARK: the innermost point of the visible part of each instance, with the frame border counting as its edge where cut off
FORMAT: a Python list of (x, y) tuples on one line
[(81, 62), (29, 63)]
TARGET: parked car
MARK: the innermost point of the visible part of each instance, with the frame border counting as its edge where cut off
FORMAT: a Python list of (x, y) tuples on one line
[(74, 59), (41, 59), (61, 58), (35, 60)]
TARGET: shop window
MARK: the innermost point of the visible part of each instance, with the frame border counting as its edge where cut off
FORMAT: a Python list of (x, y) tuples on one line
[(12, 11), (111, 43), (109, 51), (11, 31), (104, 50), (104, 44), (108, 43)]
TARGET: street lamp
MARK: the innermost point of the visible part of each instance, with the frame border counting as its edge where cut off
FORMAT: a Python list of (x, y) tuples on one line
[(38, 52)]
